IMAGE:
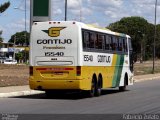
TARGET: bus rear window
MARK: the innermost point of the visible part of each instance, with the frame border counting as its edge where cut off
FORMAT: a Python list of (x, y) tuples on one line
[(130, 45), (85, 39)]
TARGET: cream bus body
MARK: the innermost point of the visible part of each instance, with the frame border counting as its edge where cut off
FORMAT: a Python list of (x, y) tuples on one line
[(70, 55)]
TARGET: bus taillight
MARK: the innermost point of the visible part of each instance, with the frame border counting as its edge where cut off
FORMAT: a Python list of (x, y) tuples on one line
[(78, 70), (31, 71)]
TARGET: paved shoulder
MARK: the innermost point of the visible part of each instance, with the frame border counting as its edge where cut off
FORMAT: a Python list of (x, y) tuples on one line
[(17, 91), (140, 78)]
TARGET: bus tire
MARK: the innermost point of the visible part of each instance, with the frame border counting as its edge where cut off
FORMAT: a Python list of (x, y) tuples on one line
[(123, 88), (99, 86), (91, 93)]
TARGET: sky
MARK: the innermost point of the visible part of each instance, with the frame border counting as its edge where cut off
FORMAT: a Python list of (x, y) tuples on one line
[(97, 12)]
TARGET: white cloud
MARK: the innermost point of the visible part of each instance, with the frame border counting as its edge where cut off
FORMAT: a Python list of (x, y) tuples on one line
[(111, 14), (105, 11), (1, 28), (14, 27), (19, 25), (115, 3), (144, 2), (82, 11), (21, 5), (74, 4), (86, 11), (57, 11), (105, 3)]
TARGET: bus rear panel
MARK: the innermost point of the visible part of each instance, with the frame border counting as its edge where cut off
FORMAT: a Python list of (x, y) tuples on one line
[(53, 56)]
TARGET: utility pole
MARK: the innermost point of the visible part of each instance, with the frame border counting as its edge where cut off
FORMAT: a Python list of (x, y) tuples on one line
[(25, 56), (155, 34), (80, 4), (65, 10), (14, 47)]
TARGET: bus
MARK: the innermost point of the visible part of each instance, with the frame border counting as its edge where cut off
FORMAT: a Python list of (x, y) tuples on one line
[(73, 56)]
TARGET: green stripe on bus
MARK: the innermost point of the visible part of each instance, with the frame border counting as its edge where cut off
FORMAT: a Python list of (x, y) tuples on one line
[(115, 72), (118, 70)]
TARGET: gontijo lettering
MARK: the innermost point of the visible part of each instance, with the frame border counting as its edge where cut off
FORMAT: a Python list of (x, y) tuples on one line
[(54, 41), (104, 58)]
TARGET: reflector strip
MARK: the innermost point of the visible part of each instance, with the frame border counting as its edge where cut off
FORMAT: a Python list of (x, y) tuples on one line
[(54, 69)]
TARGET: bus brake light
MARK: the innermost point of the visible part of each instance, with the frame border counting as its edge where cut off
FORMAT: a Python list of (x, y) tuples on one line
[(31, 71), (78, 69)]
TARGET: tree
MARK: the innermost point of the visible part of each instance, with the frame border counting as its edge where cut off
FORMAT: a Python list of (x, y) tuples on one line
[(19, 56), (158, 41), (4, 6), (140, 31), (20, 38), (1, 39)]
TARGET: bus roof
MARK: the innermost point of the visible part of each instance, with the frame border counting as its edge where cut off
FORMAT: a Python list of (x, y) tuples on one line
[(88, 27)]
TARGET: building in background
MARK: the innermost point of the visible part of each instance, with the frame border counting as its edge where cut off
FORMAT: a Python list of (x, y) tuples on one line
[(7, 50)]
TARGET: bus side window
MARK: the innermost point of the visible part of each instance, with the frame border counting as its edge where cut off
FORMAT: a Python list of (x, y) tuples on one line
[(126, 45), (107, 43), (114, 44), (104, 43), (111, 43), (93, 38), (130, 44), (85, 40), (117, 43), (96, 41), (123, 39), (120, 44), (100, 41)]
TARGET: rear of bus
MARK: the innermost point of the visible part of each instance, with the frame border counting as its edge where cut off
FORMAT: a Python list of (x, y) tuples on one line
[(54, 56)]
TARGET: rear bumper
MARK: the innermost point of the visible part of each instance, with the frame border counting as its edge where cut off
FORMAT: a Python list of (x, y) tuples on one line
[(76, 84)]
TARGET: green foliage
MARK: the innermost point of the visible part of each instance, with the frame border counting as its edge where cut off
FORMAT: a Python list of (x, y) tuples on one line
[(19, 56), (140, 31), (4, 6), (1, 40), (20, 38), (158, 41)]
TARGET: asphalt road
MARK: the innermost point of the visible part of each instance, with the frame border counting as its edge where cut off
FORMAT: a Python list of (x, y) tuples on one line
[(142, 97)]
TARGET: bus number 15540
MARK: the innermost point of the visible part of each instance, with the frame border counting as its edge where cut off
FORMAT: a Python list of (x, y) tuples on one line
[(54, 53)]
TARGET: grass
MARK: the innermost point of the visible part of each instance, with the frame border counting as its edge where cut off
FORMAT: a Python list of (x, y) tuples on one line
[(14, 75), (146, 67)]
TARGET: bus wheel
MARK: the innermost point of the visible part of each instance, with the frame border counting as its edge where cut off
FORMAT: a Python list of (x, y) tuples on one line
[(123, 88), (99, 87), (91, 93)]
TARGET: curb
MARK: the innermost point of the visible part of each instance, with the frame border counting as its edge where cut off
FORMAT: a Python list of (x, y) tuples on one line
[(146, 79), (19, 93)]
